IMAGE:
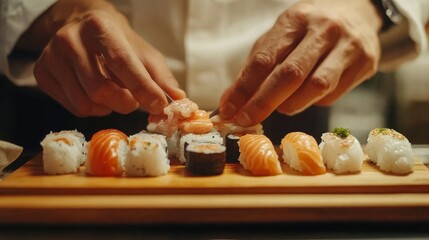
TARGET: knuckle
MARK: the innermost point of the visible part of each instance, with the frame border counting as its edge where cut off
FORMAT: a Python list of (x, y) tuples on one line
[(300, 12), (117, 58), (293, 72), (263, 60), (320, 83), (64, 42)]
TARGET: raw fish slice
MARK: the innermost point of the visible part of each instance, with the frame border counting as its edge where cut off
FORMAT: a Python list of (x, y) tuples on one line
[(181, 115), (104, 156), (257, 154), (301, 152)]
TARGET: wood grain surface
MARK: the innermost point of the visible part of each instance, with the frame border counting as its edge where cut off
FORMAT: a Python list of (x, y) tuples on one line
[(30, 196)]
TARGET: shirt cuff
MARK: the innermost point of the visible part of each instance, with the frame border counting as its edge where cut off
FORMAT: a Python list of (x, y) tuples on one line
[(16, 16)]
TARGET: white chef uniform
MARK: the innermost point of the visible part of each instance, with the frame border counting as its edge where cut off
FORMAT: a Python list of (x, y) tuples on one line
[(205, 42)]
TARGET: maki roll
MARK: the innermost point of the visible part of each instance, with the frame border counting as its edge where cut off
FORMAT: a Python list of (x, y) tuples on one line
[(301, 152), (341, 151), (211, 137), (232, 150), (106, 153), (147, 155), (390, 150), (63, 152), (205, 158), (257, 154)]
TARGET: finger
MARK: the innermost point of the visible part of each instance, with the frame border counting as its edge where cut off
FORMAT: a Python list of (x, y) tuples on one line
[(51, 87), (323, 80), (158, 69), (285, 79), (266, 54), (105, 38), (97, 83), (359, 71), (61, 71)]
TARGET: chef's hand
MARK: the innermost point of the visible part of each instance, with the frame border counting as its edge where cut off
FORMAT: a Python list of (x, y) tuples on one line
[(94, 63), (316, 52)]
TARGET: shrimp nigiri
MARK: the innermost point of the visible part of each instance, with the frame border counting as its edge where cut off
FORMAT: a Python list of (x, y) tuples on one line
[(301, 152), (257, 154), (182, 115), (104, 153)]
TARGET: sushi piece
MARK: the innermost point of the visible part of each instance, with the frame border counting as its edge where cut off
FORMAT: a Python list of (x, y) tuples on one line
[(301, 152), (106, 153), (231, 132), (257, 154), (211, 137), (147, 155), (225, 127), (390, 150), (63, 152), (205, 158), (181, 115), (341, 151), (232, 150), (9, 152)]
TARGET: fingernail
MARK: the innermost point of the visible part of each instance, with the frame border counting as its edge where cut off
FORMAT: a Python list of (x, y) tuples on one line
[(156, 107), (228, 110), (243, 119)]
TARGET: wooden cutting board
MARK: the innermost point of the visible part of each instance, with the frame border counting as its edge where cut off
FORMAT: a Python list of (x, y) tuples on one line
[(29, 196), (30, 179)]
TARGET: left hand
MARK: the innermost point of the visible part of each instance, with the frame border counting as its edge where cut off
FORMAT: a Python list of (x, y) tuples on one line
[(316, 52)]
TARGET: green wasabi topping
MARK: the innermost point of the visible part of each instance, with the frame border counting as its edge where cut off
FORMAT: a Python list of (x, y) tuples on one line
[(341, 132)]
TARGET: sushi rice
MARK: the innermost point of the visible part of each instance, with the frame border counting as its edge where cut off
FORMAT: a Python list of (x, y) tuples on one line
[(390, 150), (63, 152), (341, 154), (147, 155)]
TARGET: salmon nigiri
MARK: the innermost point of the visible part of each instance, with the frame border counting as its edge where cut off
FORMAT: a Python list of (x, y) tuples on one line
[(257, 154), (104, 157), (301, 152)]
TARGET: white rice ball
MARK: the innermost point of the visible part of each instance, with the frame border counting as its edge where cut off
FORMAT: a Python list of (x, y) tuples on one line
[(63, 152), (390, 150), (147, 155), (341, 154)]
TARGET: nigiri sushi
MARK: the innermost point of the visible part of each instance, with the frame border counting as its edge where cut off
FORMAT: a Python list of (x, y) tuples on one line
[(341, 151), (301, 152), (147, 155), (390, 150), (257, 154), (181, 115), (106, 153), (63, 152)]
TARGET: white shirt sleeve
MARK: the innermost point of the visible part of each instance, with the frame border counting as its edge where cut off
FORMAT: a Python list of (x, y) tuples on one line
[(16, 16), (407, 40)]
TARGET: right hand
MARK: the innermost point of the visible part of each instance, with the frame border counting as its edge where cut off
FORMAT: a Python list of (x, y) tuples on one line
[(94, 63)]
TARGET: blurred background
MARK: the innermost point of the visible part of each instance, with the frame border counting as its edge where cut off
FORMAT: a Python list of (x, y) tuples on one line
[(398, 100)]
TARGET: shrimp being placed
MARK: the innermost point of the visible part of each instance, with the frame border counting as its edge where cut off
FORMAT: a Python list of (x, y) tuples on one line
[(181, 115), (257, 154), (106, 152), (301, 152)]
